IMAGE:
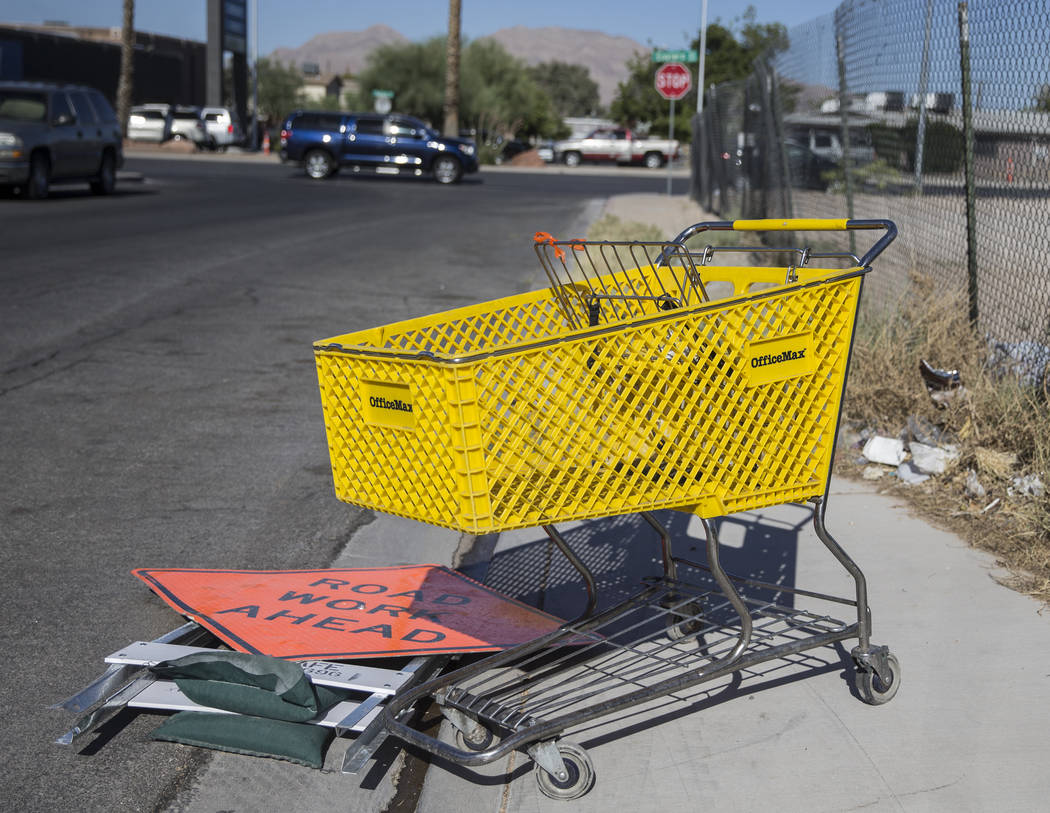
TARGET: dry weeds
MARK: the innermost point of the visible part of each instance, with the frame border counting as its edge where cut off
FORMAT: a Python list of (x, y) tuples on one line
[(1000, 425)]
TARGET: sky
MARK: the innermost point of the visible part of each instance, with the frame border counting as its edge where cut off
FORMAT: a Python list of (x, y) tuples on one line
[(663, 24)]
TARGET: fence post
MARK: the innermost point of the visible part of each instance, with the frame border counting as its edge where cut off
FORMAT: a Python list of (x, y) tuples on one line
[(716, 166), (747, 170), (696, 152), (840, 54), (971, 192), (784, 176), (924, 77)]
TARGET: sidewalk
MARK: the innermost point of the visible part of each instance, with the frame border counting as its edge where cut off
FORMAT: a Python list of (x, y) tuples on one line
[(184, 151), (670, 213), (962, 734)]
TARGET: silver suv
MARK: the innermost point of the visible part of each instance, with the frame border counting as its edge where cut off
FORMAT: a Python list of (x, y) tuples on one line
[(54, 133), (222, 126), (187, 125), (149, 122)]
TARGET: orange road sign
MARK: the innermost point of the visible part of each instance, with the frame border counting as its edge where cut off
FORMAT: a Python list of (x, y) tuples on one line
[(349, 613)]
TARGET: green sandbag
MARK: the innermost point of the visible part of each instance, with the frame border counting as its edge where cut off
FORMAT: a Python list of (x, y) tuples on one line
[(255, 736), (256, 685)]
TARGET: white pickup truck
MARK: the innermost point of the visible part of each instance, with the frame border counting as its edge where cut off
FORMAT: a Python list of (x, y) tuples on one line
[(617, 145)]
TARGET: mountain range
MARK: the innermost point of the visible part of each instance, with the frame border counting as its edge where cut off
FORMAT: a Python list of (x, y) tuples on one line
[(603, 55)]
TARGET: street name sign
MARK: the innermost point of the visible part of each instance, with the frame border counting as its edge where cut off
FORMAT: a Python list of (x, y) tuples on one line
[(663, 55)]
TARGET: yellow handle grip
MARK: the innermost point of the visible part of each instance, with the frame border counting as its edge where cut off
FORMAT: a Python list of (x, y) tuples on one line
[(792, 224)]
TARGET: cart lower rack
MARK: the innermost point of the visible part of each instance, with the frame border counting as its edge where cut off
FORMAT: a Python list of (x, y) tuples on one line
[(629, 385)]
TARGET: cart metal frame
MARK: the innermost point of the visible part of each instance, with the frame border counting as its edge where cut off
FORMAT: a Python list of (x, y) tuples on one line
[(671, 635)]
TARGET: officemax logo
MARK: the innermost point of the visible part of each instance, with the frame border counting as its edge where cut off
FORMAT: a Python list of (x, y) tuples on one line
[(779, 358), (378, 402), (785, 357), (388, 404)]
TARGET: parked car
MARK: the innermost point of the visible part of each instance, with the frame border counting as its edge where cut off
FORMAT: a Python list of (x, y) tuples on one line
[(51, 133), (807, 169), (149, 122), (187, 125), (223, 129), (324, 142), (825, 141), (616, 144), (509, 148)]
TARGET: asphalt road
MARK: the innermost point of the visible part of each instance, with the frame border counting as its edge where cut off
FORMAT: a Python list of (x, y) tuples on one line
[(159, 407)]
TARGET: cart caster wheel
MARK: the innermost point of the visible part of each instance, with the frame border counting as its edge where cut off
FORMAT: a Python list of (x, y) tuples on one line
[(481, 739), (687, 627), (579, 780), (871, 687)]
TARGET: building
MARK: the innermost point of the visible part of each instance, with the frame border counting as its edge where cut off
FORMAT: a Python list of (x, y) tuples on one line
[(316, 88), (167, 69)]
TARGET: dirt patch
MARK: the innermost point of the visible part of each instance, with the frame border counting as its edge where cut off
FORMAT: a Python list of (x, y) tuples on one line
[(181, 147), (529, 158)]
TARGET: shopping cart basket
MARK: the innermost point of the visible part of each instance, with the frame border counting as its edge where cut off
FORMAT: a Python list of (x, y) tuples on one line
[(645, 377)]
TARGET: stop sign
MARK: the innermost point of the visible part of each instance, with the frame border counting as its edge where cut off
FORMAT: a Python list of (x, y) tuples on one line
[(673, 80)]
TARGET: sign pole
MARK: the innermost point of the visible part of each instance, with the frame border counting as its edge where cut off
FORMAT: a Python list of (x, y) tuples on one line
[(673, 82), (670, 137), (703, 52)]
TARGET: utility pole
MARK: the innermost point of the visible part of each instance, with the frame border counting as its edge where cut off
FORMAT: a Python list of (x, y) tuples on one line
[(451, 127), (127, 65), (702, 54), (254, 135)]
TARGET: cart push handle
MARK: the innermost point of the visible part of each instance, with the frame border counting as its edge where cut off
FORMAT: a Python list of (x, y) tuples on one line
[(801, 224)]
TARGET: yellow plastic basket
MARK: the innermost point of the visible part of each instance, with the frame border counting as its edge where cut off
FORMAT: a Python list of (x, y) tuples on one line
[(510, 414)]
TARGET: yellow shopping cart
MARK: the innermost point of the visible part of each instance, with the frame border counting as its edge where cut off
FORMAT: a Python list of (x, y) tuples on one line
[(645, 377)]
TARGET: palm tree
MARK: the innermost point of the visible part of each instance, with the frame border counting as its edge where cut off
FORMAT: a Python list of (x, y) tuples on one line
[(127, 65), (452, 71)]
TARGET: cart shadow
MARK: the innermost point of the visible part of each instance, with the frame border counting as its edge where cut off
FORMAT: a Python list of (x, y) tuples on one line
[(621, 552)]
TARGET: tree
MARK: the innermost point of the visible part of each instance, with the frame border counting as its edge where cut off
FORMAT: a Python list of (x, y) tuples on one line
[(570, 87), (500, 97), (328, 102), (497, 95), (127, 65), (452, 71), (279, 89), (731, 51), (415, 72), (1042, 99)]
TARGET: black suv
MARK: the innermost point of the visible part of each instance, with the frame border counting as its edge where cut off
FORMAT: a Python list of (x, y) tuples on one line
[(57, 133), (389, 145)]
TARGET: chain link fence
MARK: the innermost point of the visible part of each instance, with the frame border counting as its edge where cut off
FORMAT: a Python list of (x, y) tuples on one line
[(933, 113)]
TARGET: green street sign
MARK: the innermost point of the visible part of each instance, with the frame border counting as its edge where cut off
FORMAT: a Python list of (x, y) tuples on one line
[(382, 94), (660, 55)]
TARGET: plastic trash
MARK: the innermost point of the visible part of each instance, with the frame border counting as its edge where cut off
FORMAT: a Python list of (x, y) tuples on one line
[(932, 459), (1028, 486), (888, 451), (973, 485), (910, 474)]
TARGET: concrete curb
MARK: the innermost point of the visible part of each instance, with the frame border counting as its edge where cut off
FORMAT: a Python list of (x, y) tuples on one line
[(150, 152)]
